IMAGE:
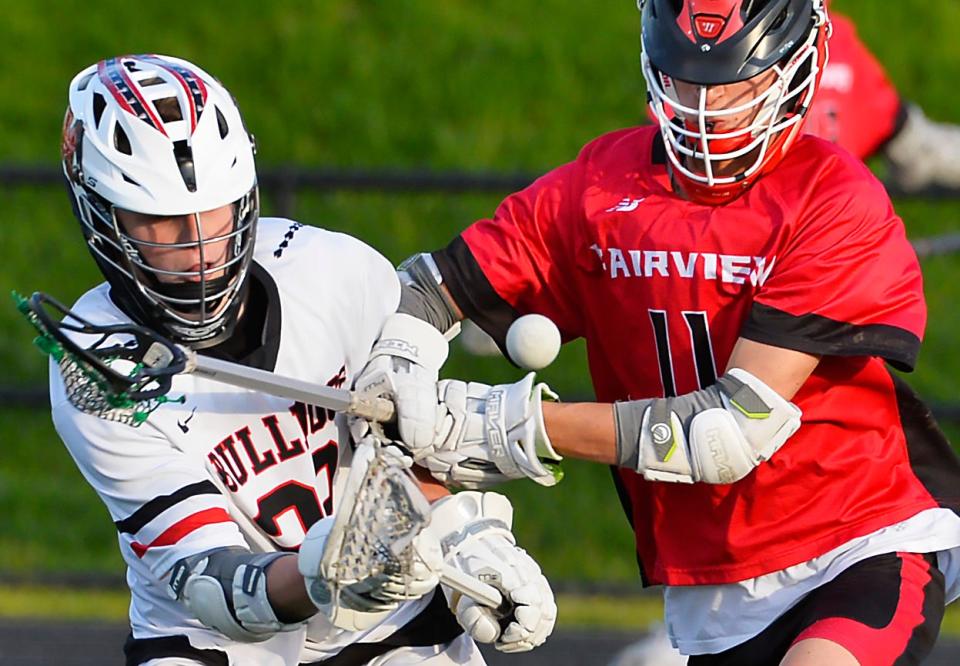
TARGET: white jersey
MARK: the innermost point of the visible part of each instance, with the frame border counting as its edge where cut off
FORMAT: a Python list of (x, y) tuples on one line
[(283, 463)]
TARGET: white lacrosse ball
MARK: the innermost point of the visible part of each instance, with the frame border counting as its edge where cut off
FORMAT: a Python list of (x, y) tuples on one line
[(533, 341)]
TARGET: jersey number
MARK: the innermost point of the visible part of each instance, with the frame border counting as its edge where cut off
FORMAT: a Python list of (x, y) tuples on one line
[(699, 330), (300, 499), (291, 496)]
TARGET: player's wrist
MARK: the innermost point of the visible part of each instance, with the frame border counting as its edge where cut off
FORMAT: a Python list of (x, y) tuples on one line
[(286, 591)]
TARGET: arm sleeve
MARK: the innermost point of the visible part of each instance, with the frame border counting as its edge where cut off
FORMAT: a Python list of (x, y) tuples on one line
[(520, 260), (846, 282), (163, 504)]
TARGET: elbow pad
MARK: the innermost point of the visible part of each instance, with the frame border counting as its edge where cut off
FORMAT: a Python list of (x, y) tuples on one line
[(226, 589), (717, 435)]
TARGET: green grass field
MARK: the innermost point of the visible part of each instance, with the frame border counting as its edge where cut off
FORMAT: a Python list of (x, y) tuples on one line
[(500, 85)]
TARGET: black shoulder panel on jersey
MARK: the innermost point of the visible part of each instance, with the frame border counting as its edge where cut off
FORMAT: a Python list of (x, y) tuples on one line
[(815, 334), (255, 341), (472, 292), (135, 522), (932, 459), (141, 650), (265, 357)]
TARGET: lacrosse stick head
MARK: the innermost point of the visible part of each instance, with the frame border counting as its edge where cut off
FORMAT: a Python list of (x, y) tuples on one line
[(381, 512), (120, 372)]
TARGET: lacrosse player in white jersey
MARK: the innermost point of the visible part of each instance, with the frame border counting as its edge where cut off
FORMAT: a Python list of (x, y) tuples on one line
[(214, 495)]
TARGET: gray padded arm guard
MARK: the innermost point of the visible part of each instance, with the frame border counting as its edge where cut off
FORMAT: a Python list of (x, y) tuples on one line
[(423, 296), (717, 435), (226, 589)]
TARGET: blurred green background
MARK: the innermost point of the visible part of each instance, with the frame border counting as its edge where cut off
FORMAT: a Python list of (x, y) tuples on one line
[(500, 85)]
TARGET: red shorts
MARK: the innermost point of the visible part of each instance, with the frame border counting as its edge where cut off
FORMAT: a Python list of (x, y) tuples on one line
[(884, 610)]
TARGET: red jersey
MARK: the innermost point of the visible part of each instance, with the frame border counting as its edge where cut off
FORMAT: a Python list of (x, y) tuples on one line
[(811, 258), (856, 106)]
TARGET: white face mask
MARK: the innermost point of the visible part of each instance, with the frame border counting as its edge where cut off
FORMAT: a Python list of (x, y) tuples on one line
[(697, 152)]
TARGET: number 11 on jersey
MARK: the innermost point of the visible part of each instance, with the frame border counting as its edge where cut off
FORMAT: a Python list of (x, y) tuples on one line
[(698, 329)]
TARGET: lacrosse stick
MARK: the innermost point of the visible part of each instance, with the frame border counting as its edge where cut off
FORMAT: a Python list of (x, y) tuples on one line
[(126, 370), (382, 511)]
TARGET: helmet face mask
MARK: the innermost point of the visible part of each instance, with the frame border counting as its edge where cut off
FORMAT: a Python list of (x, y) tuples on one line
[(150, 137), (717, 151)]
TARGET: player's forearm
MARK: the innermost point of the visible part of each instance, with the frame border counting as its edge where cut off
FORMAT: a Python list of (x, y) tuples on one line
[(287, 592), (432, 489), (584, 430), (588, 431)]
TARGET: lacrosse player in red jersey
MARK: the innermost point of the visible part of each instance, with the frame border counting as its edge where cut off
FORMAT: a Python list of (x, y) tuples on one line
[(214, 496), (859, 108), (741, 288)]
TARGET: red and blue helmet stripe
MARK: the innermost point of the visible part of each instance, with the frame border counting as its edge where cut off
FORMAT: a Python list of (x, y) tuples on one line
[(192, 84), (114, 76)]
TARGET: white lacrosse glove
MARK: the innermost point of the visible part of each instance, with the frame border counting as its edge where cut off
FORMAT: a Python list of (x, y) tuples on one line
[(492, 434), (475, 533), (403, 367)]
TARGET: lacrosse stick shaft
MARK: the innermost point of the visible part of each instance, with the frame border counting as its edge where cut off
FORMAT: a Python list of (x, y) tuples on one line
[(472, 587), (328, 397)]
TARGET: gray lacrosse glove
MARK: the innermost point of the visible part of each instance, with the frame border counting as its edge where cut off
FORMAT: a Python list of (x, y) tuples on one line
[(475, 532), (491, 434), (403, 367)]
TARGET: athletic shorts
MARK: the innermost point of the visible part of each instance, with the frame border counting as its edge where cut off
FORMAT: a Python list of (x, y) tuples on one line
[(885, 610)]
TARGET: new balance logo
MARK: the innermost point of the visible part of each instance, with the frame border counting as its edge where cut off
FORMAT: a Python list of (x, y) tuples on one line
[(626, 205)]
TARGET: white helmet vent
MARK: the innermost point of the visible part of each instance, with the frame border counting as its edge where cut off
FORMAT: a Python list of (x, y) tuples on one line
[(184, 155), (99, 104), (121, 141), (85, 81), (168, 108), (222, 125)]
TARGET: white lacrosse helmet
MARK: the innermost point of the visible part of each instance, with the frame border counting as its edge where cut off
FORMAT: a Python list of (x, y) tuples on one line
[(159, 136), (715, 42)]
